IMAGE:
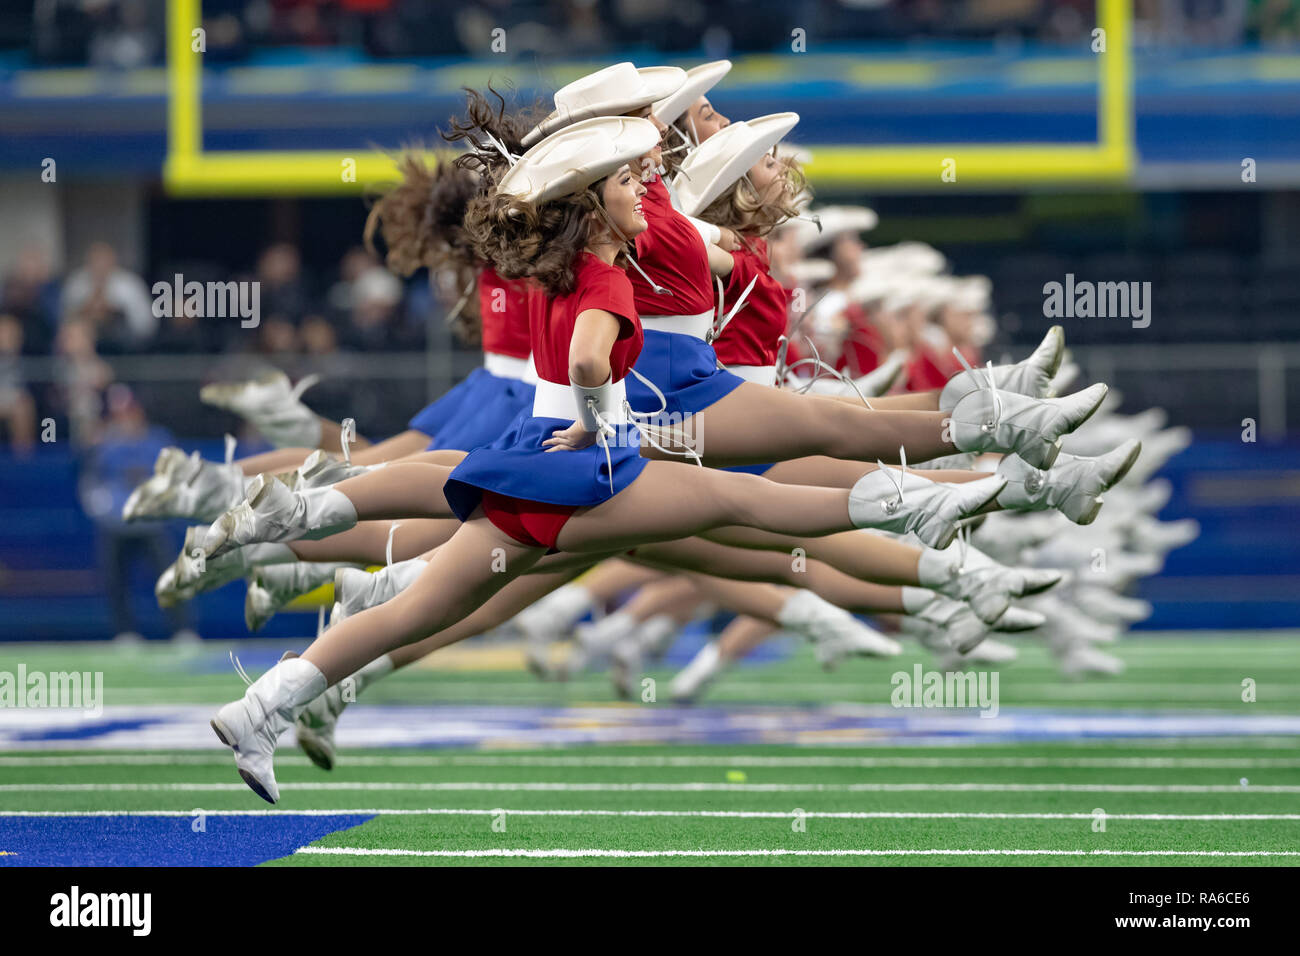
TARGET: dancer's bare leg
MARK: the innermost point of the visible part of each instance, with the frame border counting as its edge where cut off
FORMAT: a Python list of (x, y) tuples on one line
[(286, 459), (838, 473), (403, 489), (796, 426), (367, 542), (666, 502), (861, 554), (503, 605), (770, 567), (607, 581), (446, 456), (677, 596), (914, 401), (743, 635)]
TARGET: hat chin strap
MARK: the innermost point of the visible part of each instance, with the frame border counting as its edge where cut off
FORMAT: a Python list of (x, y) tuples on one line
[(510, 159), (655, 286)]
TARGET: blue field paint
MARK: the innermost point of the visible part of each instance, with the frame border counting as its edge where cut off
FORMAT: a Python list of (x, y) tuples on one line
[(162, 841), (500, 726)]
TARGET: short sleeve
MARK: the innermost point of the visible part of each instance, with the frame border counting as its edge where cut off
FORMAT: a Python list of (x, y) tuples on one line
[(611, 290)]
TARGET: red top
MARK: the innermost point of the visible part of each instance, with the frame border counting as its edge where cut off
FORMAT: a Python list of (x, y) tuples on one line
[(864, 346), (673, 253), (931, 369), (598, 286), (503, 310), (751, 337)]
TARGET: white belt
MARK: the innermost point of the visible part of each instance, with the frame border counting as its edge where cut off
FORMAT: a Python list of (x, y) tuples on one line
[(553, 400), (758, 374), (696, 325), (509, 366)]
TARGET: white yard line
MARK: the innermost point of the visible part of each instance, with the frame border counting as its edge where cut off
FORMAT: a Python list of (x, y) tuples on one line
[(850, 762), (640, 854), (710, 814), (653, 787)]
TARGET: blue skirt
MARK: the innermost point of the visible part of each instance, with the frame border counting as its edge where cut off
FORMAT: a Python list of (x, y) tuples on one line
[(517, 465), (475, 412), (685, 369)]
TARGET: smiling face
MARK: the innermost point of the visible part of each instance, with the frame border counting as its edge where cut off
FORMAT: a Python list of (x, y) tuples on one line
[(704, 119), (621, 196)]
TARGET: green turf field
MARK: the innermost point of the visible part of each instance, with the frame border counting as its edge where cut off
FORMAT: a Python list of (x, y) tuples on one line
[(1155, 800)]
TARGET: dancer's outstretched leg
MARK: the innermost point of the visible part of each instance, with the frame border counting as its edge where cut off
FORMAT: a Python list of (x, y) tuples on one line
[(666, 502)]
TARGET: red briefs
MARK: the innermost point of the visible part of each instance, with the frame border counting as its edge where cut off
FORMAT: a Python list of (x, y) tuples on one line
[(533, 523)]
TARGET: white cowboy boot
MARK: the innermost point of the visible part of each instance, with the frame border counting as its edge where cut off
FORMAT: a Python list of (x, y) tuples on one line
[(251, 725), (273, 513), (1080, 660), (834, 632), (548, 620), (1103, 604), (897, 500), (1073, 486), (940, 623), (596, 641), (989, 651), (1151, 536), (186, 487), (318, 721), (273, 405), (356, 589), (1032, 377), (320, 470), (272, 587), (704, 668), (965, 574), (993, 420)]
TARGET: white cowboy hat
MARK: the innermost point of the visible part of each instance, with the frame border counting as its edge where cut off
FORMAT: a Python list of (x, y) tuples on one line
[(699, 80), (577, 156), (835, 222), (725, 156), (869, 288), (908, 291), (812, 271), (973, 293), (906, 258), (613, 91)]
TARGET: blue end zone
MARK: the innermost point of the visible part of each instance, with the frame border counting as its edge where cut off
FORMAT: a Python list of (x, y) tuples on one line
[(162, 841)]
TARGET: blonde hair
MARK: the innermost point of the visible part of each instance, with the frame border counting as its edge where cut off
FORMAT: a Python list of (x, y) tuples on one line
[(744, 212)]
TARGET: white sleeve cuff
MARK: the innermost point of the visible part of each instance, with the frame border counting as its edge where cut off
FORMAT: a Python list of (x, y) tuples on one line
[(707, 230)]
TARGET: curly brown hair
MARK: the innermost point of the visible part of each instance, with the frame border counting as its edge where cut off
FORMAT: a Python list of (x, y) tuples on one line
[(740, 209), (522, 239), (422, 216)]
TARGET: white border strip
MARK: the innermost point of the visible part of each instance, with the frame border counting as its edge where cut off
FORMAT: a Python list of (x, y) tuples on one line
[(538, 787), (640, 854), (711, 814), (432, 760)]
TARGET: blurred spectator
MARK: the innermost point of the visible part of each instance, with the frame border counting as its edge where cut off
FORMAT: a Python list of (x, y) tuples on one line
[(126, 36), (121, 458), (374, 320), (114, 301), (30, 293), (283, 294), (17, 409), (82, 377)]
